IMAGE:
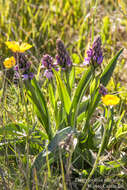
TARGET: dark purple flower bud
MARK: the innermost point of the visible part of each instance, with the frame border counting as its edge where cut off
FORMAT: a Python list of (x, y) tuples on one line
[(16, 68), (102, 90), (99, 60), (94, 54), (62, 57), (96, 43)]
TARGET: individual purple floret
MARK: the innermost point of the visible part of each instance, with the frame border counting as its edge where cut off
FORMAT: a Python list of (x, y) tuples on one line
[(16, 68), (62, 57), (102, 90), (94, 54), (28, 76), (47, 63), (25, 77), (48, 73)]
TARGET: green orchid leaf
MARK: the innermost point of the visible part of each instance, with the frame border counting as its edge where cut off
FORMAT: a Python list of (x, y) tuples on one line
[(80, 90), (63, 93), (36, 97)]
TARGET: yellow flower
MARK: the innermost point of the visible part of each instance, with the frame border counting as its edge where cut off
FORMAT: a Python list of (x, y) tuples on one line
[(9, 62), (110, 100), (17, 47)]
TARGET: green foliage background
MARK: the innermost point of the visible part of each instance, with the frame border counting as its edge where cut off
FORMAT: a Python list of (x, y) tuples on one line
[(41, 23)]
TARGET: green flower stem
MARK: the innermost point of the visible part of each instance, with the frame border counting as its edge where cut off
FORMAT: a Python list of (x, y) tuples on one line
[(97, 160), (67, 73), (21, 88), (4, 87), (48, 164), (27, 139)]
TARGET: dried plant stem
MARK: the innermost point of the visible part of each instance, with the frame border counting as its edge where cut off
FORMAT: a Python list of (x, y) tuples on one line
[(62, 170), (96, 161)]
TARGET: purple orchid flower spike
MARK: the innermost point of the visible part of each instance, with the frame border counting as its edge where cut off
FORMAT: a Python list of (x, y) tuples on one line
[(62, 57), (23, 65), (48, 64), (94, 54)]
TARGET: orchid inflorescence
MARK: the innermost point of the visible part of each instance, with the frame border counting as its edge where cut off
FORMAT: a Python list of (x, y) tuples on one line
[(63, 60), (94, 54), (47, 64), (62, 57)]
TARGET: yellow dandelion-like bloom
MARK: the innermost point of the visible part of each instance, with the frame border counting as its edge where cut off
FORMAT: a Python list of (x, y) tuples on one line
[(9, 62), (110, 100), (17, 47)]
